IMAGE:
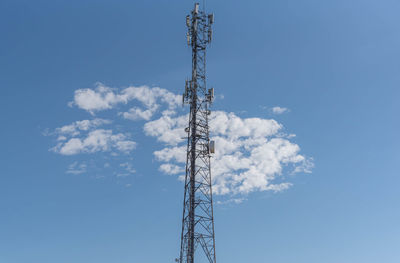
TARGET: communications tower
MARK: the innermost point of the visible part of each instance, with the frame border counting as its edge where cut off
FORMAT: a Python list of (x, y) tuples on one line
[(198, 218)]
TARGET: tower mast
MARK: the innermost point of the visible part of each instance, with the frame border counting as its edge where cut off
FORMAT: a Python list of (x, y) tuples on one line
[(198, 218)]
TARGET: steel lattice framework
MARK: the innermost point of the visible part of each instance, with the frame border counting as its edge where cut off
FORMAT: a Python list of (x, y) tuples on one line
[(198, 218)]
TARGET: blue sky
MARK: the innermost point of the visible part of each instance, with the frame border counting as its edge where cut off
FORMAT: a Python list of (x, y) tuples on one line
[(333, 64)]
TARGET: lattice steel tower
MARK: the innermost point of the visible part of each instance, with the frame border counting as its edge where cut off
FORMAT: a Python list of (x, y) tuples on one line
[(198, 219)]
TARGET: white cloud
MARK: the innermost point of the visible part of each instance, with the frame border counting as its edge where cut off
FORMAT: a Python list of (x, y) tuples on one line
[(75, 128), (76, 168), (279, 110), (96, 141), (251, 153), (137, 114), (128, 167), (122, 143), (231, 201), (167, 129), (232, 126), (306, 166), (61, 138), (85, 137), (105, 98), (171, 169), (175, 154), (101, 98)]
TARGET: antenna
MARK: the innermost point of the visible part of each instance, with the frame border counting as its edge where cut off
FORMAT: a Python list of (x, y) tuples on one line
[(198, 214)]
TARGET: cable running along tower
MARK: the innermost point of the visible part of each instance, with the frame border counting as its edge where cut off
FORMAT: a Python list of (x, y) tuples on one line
[(198, 219)]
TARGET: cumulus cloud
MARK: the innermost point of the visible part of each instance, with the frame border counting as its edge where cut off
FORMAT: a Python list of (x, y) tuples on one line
[(75, 128), (168, 129), (279, 110), (99, 140), (137, 114), (175, 154), (171, 169), (251, 153), (105, 98)]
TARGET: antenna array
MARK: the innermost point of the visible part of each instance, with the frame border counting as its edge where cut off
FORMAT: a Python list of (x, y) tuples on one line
[(198, 218)]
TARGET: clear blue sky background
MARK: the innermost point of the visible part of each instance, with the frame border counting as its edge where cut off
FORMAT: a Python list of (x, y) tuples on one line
[(334, 64)]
